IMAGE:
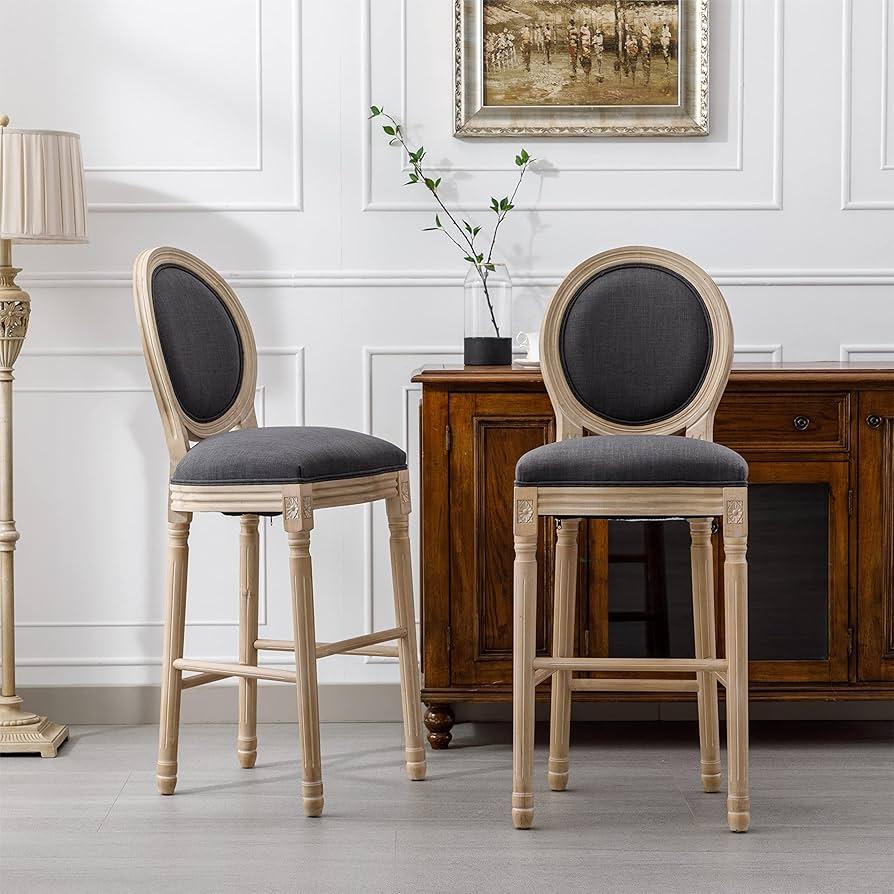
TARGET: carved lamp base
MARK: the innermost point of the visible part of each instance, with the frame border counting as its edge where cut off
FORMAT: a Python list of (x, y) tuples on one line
[(22, 732)]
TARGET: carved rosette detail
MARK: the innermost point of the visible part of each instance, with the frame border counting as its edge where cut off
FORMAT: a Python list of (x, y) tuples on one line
[(405, 491), (293, 508), (308, 507), (735, 511), (524, 511), (14, 316)]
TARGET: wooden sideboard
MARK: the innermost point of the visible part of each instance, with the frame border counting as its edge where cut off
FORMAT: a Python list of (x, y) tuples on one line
[(819, 440)]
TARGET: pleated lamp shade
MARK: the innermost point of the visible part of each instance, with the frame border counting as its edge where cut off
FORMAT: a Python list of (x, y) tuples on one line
[(42, 195)]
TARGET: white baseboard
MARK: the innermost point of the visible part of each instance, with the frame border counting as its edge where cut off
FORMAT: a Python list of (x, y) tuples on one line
[(360, 702), (378, 702)]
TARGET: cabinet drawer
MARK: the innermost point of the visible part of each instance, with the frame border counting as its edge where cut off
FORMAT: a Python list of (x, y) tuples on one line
[(783, 421)]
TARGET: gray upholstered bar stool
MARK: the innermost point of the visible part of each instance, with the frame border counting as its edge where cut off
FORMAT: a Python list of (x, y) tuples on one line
[(202, 363), (636, 348)]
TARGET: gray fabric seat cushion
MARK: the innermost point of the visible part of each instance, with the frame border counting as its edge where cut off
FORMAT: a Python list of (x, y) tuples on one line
[(287, 455), (631, 461)]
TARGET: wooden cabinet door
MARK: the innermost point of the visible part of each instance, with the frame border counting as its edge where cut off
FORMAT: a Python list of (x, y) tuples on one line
[(798, 572), (488, 434), (798, 579), (875, 548)]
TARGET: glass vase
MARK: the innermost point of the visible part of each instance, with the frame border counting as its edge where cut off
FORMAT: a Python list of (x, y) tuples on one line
[(488, 317)]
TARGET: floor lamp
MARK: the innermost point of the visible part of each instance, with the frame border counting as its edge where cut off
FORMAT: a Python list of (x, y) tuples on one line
[(41, 200)]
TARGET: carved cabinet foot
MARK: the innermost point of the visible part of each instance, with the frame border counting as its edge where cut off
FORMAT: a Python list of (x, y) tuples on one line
[(439, 720)]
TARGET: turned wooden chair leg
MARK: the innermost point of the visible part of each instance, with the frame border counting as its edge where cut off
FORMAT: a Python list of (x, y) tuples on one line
[(249, 571), (398, 509), (563, 647), (298, 522), (735, 583), (705, 647), (175, 625), (523, 652)]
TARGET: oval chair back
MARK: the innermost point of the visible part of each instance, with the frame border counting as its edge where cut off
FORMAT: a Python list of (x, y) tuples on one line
[(198, 346), (636, 341)]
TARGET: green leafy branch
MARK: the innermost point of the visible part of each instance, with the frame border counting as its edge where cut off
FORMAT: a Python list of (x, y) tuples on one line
[(463, 235)]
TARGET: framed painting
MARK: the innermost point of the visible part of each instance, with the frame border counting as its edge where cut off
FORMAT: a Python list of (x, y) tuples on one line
[(581, 68)]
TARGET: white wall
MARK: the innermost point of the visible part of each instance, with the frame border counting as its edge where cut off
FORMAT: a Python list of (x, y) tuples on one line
[(237, 129)]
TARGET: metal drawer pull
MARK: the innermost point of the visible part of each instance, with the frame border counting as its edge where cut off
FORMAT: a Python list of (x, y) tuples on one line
[(801, 423), (873, 420)]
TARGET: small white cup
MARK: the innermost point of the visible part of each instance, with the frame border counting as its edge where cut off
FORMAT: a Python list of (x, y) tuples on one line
[(530, 341)]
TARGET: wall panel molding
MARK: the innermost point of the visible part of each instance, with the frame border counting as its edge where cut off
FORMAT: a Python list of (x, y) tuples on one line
[(848, 84), (757, 354), (297, 352), (884, 353), (397, 278), (259, 140), (294, 168), (776, 102), (887, 164)]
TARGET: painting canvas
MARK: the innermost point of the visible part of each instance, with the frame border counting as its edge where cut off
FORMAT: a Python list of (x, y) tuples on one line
[(548, 52), (581, 67)]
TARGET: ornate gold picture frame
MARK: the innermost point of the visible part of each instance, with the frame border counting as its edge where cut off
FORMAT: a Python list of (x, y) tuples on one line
[(585, 68)]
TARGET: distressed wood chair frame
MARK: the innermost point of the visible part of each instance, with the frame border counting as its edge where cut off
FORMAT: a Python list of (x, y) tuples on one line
[(569, 504), (298, 504)]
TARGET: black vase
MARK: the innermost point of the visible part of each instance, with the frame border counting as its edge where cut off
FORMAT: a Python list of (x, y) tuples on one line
[(487, 351)]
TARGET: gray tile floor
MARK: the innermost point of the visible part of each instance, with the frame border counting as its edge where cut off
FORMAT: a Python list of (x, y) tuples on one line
[(633, 819)]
